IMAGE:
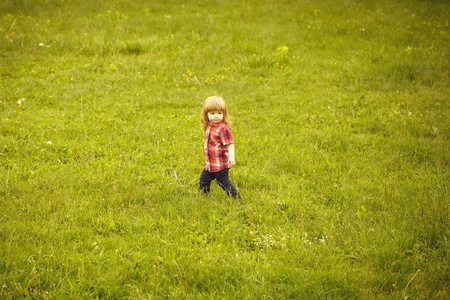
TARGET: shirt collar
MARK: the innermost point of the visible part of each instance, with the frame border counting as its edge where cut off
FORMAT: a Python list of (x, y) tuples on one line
[(215, 124)]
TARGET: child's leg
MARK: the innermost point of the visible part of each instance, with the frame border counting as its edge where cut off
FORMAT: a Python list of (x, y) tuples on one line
[(205, 181), (225, 183)]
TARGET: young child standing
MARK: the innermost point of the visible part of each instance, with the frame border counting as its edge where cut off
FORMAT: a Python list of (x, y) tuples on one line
[(218, 147)]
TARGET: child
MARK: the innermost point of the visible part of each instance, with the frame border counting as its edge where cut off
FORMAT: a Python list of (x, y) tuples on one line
[(218, 147)]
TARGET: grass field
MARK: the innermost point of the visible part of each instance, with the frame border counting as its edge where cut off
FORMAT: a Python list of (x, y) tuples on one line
[(341, 123)]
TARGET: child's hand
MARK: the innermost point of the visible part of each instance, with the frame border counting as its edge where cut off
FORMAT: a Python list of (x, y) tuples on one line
[(231, 163)]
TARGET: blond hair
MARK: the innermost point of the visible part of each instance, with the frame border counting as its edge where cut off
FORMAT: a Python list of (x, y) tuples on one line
[(214, 103)]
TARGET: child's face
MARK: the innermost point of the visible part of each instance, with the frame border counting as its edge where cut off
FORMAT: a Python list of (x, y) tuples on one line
[(215, 116)]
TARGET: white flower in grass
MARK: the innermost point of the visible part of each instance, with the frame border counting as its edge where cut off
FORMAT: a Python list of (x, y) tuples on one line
[(319, 239), (41, 45), (49, 142), (435, 130), (268, 242)]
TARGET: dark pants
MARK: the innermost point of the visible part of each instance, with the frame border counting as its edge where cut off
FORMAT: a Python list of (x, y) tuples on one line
[(222, 180)]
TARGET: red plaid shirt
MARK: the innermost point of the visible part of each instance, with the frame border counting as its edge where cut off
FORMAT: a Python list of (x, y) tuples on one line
[(217, 136)]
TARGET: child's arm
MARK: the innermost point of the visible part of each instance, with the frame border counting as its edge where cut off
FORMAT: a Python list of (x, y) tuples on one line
[(231, 160)]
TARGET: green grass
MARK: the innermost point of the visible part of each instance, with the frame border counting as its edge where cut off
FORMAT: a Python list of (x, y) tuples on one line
[(340, 117)]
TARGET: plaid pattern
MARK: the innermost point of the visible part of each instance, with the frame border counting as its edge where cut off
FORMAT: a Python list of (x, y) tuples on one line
[(217, 136)]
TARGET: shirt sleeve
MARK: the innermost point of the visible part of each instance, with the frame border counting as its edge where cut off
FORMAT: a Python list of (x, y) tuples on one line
[(225, 136)]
